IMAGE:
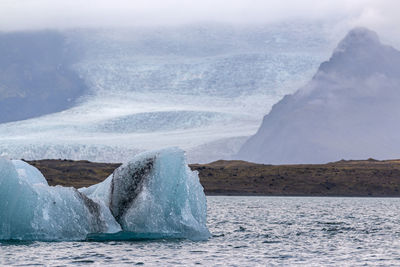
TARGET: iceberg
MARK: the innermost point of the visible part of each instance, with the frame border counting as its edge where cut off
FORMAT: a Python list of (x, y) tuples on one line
[(154, 195)]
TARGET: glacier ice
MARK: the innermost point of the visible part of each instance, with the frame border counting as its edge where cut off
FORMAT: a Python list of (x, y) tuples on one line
[(28, 173), (155, 195), (33, 210), (200, 86)]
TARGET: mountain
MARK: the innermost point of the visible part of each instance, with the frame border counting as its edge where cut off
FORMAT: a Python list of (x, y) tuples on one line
[(36, 75), (349, 110)]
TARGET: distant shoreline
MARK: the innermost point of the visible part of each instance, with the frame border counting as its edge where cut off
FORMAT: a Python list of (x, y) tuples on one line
[(363, 178), (294, 196)]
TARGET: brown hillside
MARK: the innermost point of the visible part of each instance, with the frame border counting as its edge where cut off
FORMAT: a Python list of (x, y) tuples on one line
[(342, 178)]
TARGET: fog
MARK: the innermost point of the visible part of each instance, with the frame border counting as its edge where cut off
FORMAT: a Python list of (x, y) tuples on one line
[(378, 15), (38, 14)]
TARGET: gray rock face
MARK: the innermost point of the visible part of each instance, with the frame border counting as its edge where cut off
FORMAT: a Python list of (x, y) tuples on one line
[(36, 77), (350, 109)]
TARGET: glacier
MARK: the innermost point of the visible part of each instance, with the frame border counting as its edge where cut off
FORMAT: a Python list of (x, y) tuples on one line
[(204, 88), (154, 195)]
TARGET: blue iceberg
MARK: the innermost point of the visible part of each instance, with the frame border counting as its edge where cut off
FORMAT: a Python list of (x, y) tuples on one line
[(154, 195)]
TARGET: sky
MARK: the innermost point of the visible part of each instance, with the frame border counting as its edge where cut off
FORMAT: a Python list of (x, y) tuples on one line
[(28, 14), (379, 15)]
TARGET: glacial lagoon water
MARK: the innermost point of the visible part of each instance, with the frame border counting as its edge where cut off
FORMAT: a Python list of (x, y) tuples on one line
[(256, 231)]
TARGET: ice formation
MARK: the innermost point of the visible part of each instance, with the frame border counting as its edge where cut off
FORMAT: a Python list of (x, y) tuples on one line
[(201, 87), (155, 195)]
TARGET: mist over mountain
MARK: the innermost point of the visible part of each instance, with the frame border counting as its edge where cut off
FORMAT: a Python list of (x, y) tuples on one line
[(349, 110), (36, 75)]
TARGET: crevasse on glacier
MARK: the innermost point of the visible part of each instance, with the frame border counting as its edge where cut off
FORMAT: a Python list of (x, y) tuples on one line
[(203, 87), (154, 195)]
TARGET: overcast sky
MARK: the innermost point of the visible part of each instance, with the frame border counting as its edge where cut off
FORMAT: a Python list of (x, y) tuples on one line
[(381, 15)]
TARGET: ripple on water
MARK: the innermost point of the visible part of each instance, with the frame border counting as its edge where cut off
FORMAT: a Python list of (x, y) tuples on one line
[(248, 231)]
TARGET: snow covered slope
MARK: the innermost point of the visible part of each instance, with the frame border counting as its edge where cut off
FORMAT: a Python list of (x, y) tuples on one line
[(350, 109), (202, 88)]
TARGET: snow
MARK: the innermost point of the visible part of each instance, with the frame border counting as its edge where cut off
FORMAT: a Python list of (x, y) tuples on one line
[(154, 195)]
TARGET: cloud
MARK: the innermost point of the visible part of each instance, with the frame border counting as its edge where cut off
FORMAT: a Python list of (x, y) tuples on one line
[(380, 15)]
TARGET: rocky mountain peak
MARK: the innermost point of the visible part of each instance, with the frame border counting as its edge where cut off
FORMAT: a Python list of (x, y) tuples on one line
[(358, 38), (350, 109), (361, 54)]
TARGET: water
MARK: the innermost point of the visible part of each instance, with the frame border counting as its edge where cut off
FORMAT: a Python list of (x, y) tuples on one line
[(255, 231)]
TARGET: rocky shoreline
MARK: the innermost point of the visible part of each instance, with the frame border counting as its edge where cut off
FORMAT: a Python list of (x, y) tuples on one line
[(361, 178)]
